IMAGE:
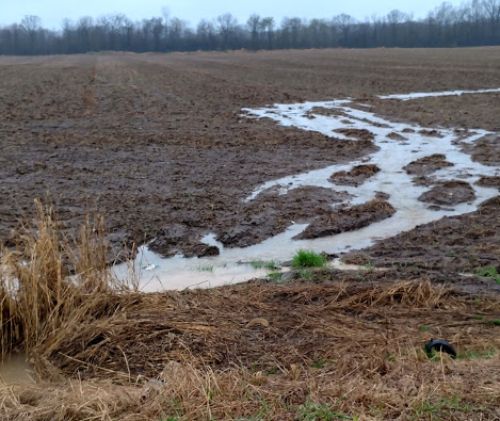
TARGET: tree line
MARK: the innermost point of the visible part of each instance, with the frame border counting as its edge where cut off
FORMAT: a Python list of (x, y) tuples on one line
[(474, 23)]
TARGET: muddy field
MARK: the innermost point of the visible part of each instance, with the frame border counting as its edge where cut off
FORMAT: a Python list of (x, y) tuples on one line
[(186, 152), (158, 145)]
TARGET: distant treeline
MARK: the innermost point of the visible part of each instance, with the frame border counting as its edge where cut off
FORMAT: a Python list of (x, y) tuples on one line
[(475, 23)]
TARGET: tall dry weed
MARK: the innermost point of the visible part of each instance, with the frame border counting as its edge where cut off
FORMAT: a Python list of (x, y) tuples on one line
[(46, 276)]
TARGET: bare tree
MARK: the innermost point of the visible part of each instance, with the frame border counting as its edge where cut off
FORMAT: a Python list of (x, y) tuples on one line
[(228, 25), (206, 35), (492, 11), (345, 24), (31, 25), (267, 25), (254, 26)]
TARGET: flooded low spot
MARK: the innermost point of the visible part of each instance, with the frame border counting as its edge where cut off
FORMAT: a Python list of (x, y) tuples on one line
[(398, 146), (15, 370)]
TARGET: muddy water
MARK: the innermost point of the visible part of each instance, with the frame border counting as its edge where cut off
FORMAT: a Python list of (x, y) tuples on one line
[(413, 142), (15, 370), (418, 95)]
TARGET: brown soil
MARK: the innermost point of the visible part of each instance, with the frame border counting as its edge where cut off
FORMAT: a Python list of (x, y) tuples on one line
[(348, 219), (162, 143), (181, 239), (485, 150), (449, 193), (423, 181), (249, 224), (427, 165), (358, 175), (361, 134), (327, 112), (151, 141), (450, 245), (467, 111), (396, 136), (489, 181), (430, 133), (272, 213)]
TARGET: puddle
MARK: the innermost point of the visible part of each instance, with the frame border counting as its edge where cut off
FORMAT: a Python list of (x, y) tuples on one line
[(399, 144), (419, 95), (15, 370)]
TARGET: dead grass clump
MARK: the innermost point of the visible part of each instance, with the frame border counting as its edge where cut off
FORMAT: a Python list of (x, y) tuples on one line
[(411, 294), (47, 278), (265, 326), (411, 388), (348, 219), (9, 316)]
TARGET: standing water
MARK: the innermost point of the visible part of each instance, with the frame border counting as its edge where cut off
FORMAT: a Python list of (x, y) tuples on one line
[(398, 145), (16, 371)]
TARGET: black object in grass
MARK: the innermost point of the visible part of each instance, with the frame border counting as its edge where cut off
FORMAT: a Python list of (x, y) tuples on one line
[(439, 345)]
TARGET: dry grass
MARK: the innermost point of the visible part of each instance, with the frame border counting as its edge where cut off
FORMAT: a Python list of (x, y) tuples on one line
[(299, 351), (47, 277), (410, 388)]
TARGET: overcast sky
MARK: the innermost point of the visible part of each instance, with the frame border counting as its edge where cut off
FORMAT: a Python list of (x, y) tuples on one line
[(53, 12)]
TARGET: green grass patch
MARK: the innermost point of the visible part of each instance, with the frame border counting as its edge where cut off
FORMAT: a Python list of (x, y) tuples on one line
[(495, 322), (272, 371), (305, 274), (369, 267), (206, 268), (264, 412), (275, 276), (262, 264), (489, 272), (485, 354), (308, 259), (312, 411), (319, 364), (441, 408)]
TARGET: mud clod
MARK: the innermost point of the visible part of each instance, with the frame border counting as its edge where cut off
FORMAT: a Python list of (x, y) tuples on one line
[(361, 134), (449, 193), (396, 136), (348, 219), (485, 181), (272, 214), (427, 165), (430, 133), (485, 150), (358, 175), (327, 112), (181, 239)]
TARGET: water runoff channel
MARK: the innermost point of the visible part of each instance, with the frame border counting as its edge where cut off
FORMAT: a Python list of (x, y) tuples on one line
[(153, 272)]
